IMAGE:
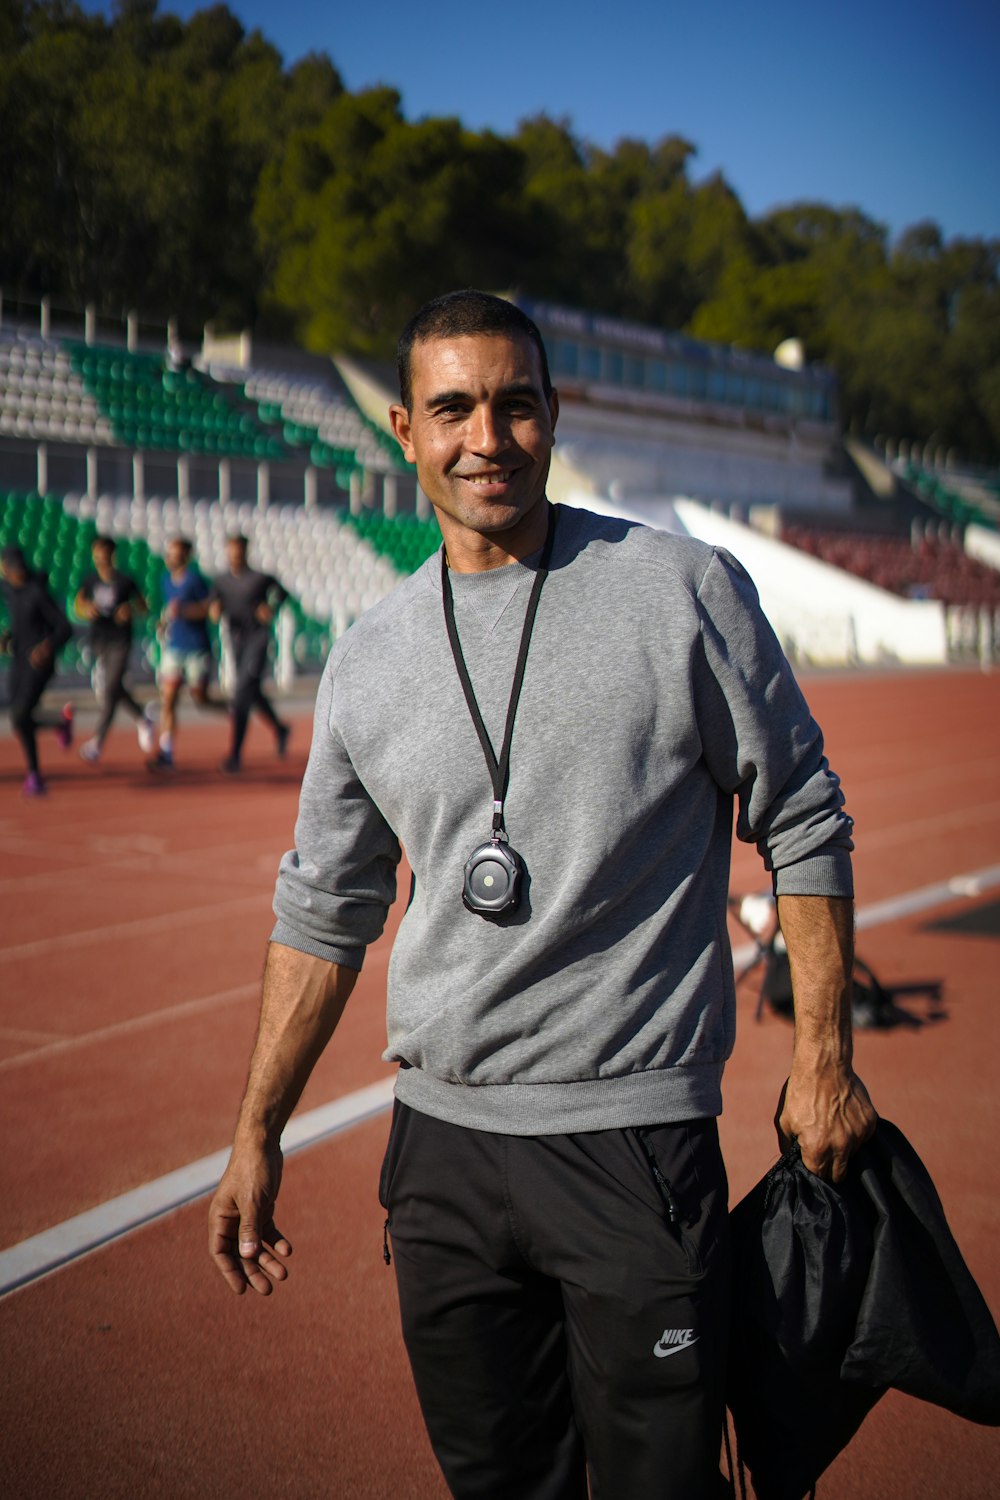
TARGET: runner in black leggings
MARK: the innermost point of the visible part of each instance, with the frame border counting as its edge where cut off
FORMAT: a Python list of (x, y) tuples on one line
[(38, 631), (248, 601), (110, 600)]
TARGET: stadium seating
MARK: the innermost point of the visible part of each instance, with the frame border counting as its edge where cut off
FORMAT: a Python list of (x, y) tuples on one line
[(931, 569), (102, 395), (961, 499), (58, 545), (317, 415), (151, 406), (404, 540), (43, 397), (334, 566)]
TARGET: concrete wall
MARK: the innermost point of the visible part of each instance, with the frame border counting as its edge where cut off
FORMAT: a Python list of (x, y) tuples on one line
[(983, 545), (626, 454), (818, 612)]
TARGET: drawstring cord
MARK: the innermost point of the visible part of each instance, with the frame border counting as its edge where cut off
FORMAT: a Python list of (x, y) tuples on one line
[(729, 1463)]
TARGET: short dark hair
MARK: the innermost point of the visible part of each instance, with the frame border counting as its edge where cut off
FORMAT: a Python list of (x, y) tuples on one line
[(459, 314), (182, 541), (238, 537), (104, 541)]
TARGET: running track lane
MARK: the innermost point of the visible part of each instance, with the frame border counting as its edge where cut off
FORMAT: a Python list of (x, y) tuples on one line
[(189, 1394)]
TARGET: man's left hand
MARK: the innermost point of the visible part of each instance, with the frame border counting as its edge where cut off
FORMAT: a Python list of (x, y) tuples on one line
[(828, 1114)]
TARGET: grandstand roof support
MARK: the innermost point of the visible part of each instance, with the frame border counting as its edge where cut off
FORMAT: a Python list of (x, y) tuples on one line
[(92, 473), (139, 476), (423, 505), (355, 492), (90, 323), (263, 484), (225, 481), (45, 317), (310, 487), (132, 331), (42, 466), (390, 495), (987, 643), (183, 476)]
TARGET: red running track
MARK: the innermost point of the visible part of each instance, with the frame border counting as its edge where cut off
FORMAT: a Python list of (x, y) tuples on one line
[(135, 917)]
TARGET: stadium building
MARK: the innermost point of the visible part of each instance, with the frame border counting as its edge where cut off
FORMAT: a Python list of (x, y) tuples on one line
[(858, 555)]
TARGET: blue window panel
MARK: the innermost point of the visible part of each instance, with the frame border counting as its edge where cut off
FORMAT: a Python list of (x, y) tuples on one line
[(591, 361)]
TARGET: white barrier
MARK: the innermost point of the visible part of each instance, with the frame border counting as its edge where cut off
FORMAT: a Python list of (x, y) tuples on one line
[(819, 612)]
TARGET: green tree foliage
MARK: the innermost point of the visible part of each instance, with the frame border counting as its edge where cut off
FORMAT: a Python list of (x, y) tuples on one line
[(364, 216), (130, 154), (181, 167)]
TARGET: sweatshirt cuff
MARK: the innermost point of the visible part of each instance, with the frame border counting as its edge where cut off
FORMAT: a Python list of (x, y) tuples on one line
[(828, 873), (290, 937)]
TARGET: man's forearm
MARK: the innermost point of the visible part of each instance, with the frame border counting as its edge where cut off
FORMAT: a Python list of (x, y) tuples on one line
[(824, 1108), (302, 1000), (819, 936)]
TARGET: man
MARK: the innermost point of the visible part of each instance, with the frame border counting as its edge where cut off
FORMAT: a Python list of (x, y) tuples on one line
[(38, 629), (555, 1194), (110, 600), (186, 654), (248, 601)]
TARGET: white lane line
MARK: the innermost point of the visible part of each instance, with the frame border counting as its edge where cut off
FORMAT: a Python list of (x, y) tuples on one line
[(973, 884), (65, 882), (46, 1252), (40, 1038), (209, 912), (52, 1047), (144, 854), (65, 1242)]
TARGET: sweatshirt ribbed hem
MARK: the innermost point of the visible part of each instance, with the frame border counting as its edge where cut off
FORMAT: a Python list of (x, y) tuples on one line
[(291, 937), (826, 873), (654, 1098)]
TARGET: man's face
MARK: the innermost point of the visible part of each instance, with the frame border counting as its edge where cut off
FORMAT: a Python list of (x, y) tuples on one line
[(177, 556), (14, 573), (103, 556), (481, 430), (236, 556)]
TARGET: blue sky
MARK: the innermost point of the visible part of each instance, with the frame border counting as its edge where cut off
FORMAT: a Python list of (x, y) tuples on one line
[(892, 107)]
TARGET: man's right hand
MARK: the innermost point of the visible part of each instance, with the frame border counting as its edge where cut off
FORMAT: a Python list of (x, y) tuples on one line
[(243, 1241)]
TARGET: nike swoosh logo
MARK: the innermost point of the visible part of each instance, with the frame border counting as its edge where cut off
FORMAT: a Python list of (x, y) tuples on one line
[(662, 1353)]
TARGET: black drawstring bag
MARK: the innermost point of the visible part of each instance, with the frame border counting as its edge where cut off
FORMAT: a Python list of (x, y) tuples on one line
[(839, 1293)]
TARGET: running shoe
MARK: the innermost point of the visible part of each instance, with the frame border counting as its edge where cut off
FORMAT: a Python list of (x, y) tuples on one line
[(90, 751), (163, 760), (230, 765), (284, 734), (33, 786), (146, 730), (64, 729)]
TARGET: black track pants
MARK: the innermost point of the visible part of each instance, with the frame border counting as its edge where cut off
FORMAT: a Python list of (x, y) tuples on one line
[(251, 664), (564, 1306), (112, 659), (27, 684)]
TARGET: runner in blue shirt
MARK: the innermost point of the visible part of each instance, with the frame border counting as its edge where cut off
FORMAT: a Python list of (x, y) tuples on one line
[(186, 653)]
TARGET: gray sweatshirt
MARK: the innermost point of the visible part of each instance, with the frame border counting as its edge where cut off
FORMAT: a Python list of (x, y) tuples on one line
[(655, 694)]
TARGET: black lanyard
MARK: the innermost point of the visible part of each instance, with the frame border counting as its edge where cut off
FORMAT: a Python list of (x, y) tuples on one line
[(499, 769)]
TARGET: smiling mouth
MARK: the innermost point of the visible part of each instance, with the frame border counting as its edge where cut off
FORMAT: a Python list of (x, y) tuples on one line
[(499, 476)]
